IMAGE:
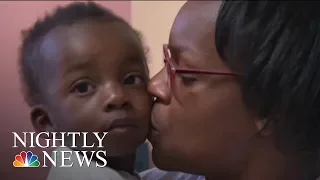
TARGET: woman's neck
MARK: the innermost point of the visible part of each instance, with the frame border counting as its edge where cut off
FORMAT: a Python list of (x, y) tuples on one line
[(268, 171), (269, 164)]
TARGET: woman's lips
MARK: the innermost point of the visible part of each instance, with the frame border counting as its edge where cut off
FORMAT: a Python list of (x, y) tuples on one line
[(153, 125), (153, 128), (153, 135)]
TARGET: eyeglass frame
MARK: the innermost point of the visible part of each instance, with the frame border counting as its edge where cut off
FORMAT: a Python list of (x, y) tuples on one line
[(172, 70)]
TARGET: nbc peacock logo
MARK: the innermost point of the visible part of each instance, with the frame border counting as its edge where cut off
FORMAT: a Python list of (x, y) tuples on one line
[(26, 159)]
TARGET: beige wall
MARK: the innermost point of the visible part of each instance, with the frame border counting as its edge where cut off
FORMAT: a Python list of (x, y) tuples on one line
[(154, 20)]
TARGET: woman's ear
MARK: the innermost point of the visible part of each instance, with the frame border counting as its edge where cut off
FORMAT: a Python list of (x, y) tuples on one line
[(40, 119)]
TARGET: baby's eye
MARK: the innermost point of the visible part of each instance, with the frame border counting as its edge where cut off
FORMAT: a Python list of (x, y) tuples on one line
[(133, 79), (83, 88)]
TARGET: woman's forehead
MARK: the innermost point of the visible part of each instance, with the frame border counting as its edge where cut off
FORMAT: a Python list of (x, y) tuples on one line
[(194, 22), (193, 35)]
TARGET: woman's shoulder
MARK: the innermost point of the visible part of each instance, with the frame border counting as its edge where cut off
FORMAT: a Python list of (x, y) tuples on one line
[(157, 174)]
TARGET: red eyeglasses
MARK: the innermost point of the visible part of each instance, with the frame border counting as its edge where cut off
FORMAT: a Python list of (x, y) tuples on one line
[(172, 70)]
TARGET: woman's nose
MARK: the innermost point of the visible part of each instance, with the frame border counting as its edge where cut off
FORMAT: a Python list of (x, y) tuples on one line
[(158, 87)]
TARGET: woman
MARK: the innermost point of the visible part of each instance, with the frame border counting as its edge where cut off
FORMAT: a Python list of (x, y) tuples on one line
[(245, 107)]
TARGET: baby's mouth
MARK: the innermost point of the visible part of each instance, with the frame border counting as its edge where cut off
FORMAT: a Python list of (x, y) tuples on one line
[(122, 125)]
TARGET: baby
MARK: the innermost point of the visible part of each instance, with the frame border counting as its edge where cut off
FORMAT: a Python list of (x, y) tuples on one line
[(84, 69)]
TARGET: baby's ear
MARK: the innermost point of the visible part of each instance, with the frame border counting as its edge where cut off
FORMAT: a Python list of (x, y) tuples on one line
[(41, 119), (146, 49), (142, 40), (24, 33)]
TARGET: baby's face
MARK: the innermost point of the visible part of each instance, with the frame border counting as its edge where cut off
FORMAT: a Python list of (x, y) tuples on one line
[(97, 83)]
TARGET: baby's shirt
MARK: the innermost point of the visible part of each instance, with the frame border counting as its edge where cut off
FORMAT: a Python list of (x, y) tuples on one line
[(85, 173), (157, 174)]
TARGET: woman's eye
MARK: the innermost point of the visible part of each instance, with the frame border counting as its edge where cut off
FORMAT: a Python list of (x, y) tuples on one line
[(133, 80), (188, 80), (83, 88)]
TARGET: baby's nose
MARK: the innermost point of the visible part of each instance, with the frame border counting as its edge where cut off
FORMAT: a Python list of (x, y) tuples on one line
[(115, 98)]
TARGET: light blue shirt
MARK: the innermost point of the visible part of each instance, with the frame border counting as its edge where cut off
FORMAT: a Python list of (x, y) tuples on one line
[(157, 174), (85, 173)]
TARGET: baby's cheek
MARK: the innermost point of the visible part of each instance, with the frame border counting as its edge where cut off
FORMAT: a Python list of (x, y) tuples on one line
[(83, 123), (142, 102)]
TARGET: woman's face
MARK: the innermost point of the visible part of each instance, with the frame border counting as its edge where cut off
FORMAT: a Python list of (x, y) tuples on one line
[(203, 125)]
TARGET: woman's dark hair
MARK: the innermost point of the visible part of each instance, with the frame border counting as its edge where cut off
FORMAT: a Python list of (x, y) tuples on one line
[(276, 44)]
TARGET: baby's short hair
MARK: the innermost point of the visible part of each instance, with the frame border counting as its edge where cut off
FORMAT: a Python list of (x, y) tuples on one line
[(30, 61)]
